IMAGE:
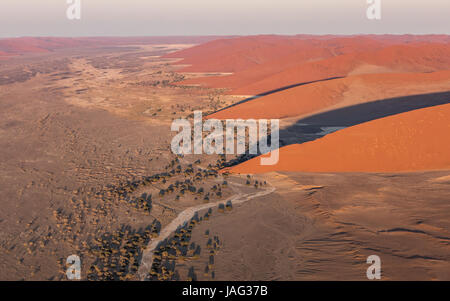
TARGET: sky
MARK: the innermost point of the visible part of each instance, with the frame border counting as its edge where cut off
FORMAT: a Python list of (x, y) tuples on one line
[(221, 17)]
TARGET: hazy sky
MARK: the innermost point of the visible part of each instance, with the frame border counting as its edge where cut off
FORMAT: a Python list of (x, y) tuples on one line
[(220, 17)]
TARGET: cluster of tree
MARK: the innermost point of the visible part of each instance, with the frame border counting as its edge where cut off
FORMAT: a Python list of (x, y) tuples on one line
[(180, 247), (213, 245), (256, 184), (176, 247), (228, 206), (188, 185), (143, 202), (118, 254)]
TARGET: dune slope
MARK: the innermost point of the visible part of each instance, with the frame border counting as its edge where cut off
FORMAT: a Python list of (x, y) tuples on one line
[(265, 63), (312, 98), (411, 141)]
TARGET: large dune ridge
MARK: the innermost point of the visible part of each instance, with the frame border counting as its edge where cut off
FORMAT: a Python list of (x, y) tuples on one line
[(329, 73), (231, 55), (245, 54), (276, 75), (413, 141), (214, 56), (316, 97), (405, 58), (261, 64)]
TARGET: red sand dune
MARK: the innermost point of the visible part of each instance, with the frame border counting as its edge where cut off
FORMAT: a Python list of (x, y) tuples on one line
[(266, 63), (303, 100), (411, 141), (257, 57), (418, 58), (231, 55), (306, 51), (215, 56), (424, 58)]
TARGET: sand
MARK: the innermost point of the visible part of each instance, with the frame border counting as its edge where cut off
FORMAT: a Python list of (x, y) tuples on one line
[(262, 64), (303, 100), (411, 141)]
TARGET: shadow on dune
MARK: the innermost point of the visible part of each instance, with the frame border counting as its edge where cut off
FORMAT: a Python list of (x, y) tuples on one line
[(319, 125), (357, 114), (277, 90)]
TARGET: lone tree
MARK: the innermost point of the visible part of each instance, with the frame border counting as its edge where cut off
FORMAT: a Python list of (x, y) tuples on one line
[(206, 198), (197, 252), (229, 205), (211, 262), (192, 246), (191, 274)]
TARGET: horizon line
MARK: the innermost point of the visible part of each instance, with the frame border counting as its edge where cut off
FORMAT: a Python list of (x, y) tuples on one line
[(227, 35)]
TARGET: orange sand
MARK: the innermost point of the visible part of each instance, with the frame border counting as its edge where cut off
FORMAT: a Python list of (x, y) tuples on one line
[(265, 63), (411, 141), (312, 98)]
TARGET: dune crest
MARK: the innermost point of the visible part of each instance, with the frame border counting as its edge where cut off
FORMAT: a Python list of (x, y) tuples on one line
[(308, 99)]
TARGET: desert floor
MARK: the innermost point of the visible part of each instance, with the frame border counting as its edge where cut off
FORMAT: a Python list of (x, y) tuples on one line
[(83, 133), (86, 169)]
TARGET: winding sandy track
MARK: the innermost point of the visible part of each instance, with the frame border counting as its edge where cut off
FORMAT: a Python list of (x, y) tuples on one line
[(185, 216)]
